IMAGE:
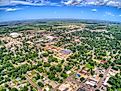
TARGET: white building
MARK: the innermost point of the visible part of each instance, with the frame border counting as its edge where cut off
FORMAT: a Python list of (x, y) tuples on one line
[(15, 35), (92, 83)]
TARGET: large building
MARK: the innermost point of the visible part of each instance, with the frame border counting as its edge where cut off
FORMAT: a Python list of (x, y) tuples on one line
[(15, 35)]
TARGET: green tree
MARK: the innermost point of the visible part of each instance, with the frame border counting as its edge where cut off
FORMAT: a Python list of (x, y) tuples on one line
[(40, 84), (64, 75), (14, 89)]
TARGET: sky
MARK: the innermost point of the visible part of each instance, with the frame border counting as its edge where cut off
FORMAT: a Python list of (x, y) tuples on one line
[(60, 9)]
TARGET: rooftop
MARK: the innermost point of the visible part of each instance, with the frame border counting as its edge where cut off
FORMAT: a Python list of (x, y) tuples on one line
[(65, 51)]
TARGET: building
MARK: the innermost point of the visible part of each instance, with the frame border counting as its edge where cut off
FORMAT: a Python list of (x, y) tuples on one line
[(91, 83), (65, 87), (81, 89), (106, 80), (65, 51), (15, 35)]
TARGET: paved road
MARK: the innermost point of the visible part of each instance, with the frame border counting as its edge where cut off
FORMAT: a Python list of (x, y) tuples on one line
[(72, 80), (32, 83), (67, 79), (102, 79)]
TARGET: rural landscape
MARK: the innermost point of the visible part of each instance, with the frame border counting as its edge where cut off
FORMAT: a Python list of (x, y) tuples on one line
[(60, 55), (60, 45)]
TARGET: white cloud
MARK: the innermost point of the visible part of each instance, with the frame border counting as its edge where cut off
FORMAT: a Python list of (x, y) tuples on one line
[(12, 9), (67, 2), (25, 3), (91, 3), (35, 2), (109, 14), (120, 15), (94, 10), (71, 2), (4, 2), (54, 4), (19, 2), (116, 3)]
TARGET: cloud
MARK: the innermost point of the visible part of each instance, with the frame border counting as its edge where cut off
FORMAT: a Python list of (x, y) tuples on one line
[(94, 10), (67, 2), (4, 2), (109, 13), (10, 9), (116, 3), (39, 3), (54, 4), (71, 2), (120, 15), (34, 2), (25, 2), (20, 2)]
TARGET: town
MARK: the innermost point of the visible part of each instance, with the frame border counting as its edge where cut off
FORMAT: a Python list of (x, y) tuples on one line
[(60, 56)]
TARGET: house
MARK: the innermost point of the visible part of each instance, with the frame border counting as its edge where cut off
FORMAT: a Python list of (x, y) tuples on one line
[(84, 72), (91, 83), (65, 87), (81, 89), (50, 38), (103, 61), (68, 72), (96, 79), (113, 72)]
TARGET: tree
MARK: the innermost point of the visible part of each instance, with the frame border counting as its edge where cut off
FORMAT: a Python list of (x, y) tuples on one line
[(32, 89), (46, 64), (95, 86), (58, 68), (60, 81), (51, 76), (82, 79), (37, 77), (39, 63), (67, 68), (25, 88), (52, 59), (14, 89), (40, 84), (45, 54), (97, 90), (101, 75), (62, 61), (64, 75), (40, 69), (115, 82), (56, 79), (2, 89)]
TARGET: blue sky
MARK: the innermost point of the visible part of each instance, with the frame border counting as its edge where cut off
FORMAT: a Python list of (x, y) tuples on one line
[(45, 9)]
